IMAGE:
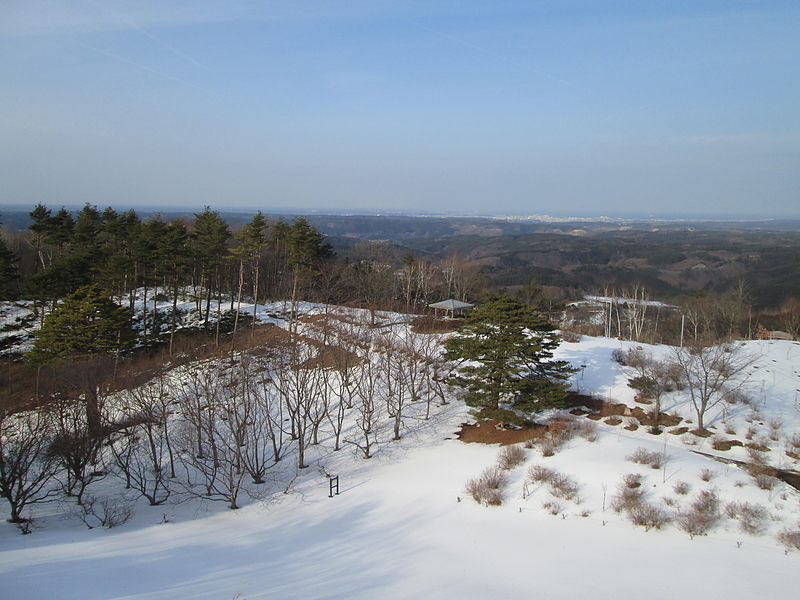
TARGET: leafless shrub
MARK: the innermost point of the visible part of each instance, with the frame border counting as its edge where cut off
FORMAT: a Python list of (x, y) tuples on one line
[(729, 429), (763, 475), (547, 446), (510, 457), (631, 423), (637, 358), (632, 500), (752, 518), (751, 431), (794, 441), (618, 355), (588, 430), (765, 481), (564, 487), (706, 474), (554, 507), (540, 474), (755, 456), (645, 457), (736, 397), (104, 512), (560, 431), (494, 477), (790, 539), (775, 425), (682, 488), (702, 515), (669, 501), (763, 441), (559, 485), (488, 488), (649, 516), (632, 480), (627, 498)]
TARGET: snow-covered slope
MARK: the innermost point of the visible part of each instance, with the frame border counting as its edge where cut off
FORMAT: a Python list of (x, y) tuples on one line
[(403, 527)]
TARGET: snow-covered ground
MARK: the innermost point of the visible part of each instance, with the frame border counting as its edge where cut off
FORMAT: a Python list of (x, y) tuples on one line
[(403, 526)]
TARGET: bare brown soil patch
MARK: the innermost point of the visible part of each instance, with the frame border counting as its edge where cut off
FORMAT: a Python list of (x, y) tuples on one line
[(678, 430), (430, 324), (725, 445), (646, 418), (488, 432), (703, 433), (612, 421), (759, 447), (574, 400), (325, 317)]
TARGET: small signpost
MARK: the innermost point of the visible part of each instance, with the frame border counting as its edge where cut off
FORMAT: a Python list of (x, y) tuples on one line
[(333, 482)]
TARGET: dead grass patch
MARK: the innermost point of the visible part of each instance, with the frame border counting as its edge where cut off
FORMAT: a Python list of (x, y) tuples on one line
[(488, 432)]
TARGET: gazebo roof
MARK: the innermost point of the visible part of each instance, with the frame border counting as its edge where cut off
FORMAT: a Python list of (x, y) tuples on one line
[(451, 305)]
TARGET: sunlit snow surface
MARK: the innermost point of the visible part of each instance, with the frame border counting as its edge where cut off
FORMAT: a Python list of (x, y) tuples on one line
[(398, 529)]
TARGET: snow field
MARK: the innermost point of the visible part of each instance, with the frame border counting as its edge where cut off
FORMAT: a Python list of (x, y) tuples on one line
[(398, 529)]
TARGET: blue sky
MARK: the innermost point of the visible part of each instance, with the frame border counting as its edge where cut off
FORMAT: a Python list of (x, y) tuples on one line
[(569, 107)]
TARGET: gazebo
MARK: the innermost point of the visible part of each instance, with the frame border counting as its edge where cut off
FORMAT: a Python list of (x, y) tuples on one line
[(451, 306)]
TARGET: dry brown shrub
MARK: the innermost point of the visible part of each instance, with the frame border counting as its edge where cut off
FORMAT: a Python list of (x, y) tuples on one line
[(702, 515), (540, 474), (752, 518), (564, 487), (633, 502), (510, 457), (644, 456), (790, 539), (682, 488), (488, 488), (632, 480), (554, 507), (587, 430), (649, 516), (626, 498)]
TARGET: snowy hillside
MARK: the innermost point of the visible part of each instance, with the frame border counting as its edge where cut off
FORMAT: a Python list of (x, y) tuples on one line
[(403, 525)]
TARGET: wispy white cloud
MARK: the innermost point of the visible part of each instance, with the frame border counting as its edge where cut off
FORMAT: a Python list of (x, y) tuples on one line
[(146, 68)]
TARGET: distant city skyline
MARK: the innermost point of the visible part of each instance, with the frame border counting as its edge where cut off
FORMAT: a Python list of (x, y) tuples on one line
[(571, 108)]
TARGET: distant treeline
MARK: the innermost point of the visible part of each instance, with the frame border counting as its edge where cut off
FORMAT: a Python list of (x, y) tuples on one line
[(399, 262), (674, 264), (257, 260)]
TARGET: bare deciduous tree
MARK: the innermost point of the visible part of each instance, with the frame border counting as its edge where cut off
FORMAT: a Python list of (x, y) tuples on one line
[(27, 467), (710, 372), (144, 451)]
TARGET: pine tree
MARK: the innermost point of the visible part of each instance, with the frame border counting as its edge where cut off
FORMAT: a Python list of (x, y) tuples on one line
[(8, 271), (87, 323), (211, 235), (252, 240), (85, 327), (305, 249), (505, 351)]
